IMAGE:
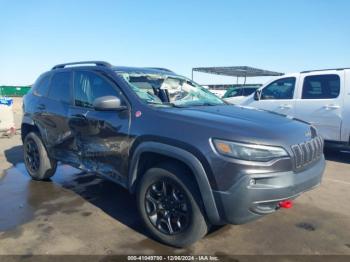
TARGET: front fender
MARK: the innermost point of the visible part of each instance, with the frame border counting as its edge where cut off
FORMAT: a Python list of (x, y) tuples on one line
[(187, 158), (27, 120)]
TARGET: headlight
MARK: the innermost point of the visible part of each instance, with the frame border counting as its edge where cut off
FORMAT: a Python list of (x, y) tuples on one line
[(249, 152)]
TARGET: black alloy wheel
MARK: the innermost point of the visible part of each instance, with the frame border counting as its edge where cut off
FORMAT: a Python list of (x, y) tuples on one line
[(167, 207), (32, 155)]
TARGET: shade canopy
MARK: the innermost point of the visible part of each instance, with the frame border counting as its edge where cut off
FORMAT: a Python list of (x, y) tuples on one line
[(238, 71)]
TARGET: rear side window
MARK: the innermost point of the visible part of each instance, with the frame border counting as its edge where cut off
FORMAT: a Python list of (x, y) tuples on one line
[(321, 87), (279, 89), (60, 87), (88, 86), (41, 86)]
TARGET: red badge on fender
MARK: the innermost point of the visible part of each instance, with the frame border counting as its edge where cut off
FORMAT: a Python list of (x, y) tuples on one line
[(138, 113)]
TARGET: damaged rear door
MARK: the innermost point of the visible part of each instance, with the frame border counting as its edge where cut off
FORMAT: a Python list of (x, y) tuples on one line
[(101, 138), (53, 111)]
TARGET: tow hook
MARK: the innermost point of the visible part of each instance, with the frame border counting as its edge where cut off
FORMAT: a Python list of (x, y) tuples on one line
[(286, 204)]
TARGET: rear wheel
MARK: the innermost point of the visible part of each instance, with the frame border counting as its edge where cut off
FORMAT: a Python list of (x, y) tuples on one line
[(37, 161), (170, 206)]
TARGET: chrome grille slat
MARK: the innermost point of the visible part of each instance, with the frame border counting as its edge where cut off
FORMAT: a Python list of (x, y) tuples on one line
[(297, 155), (320, 145), (308, 152), (304, 153), (312, 150), (317, 146)]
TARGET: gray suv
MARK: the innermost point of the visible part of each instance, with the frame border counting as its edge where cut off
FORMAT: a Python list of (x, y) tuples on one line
[(192, 160)]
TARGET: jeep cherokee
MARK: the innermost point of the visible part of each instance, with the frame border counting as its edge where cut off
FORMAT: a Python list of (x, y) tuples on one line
[(192, 160)]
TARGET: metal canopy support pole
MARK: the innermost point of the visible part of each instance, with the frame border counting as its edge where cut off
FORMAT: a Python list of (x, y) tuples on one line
[(192, 74)]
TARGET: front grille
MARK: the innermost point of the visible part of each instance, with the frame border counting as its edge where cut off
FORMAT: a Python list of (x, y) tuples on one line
[(308, 152)]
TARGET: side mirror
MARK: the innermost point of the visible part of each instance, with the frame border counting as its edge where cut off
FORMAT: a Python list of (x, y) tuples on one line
[(257, 94), (108, 103)]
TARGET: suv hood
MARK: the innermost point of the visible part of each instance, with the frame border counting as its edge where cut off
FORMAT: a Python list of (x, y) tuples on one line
[(229, 113), (245, 124)]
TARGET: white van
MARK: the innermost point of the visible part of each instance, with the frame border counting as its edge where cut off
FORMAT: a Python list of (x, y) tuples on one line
[(320, 97)]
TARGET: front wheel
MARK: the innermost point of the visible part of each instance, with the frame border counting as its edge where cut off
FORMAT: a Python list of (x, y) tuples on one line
[(170, 206), (37, 161)]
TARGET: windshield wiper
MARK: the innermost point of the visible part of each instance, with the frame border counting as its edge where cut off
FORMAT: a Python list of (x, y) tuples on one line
[(153, 102), (182, 105), (204, 104), (163, 104), (172, 104)]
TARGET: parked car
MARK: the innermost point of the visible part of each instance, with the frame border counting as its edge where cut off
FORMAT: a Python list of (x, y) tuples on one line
[(192, 160), (236, 94), (319, 97)]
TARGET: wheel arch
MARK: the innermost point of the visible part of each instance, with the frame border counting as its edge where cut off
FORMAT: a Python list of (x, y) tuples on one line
[(186, 158), (28, 126)]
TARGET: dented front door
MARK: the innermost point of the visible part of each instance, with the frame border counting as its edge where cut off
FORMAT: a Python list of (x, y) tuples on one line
[(101, 138)]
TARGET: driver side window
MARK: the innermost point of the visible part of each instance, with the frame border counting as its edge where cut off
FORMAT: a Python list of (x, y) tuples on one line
[(88, 86), (279, 89)]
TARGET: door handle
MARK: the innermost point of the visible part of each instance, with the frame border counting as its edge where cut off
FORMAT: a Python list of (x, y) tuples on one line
[(78, 123), (330, 107), (41, 107), (285, 106)]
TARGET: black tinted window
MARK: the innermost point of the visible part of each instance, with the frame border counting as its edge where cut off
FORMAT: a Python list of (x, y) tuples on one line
[(279, 89), (248, 91), (41, 86), (321, 87), (60, 87), (88, 86)]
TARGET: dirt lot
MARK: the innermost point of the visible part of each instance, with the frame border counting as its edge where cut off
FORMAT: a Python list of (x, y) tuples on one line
[(79, 213)]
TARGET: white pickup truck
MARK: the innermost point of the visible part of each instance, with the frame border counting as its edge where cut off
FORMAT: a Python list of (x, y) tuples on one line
[(320, 97)]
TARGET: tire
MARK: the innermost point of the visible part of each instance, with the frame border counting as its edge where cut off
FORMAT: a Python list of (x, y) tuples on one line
[(182, 195), (37, 161)]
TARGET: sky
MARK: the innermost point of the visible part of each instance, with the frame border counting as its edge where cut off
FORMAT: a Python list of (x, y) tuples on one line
[(278, 35)]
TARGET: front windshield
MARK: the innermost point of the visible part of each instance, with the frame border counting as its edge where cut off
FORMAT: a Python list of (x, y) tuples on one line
[(162, 89)]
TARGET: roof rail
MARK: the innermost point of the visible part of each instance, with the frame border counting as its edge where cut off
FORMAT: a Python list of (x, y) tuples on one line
[(160, 68), (318, 70), (97, 63)]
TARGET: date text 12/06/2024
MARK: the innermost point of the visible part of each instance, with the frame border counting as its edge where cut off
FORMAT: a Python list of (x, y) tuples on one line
[(173, 258)]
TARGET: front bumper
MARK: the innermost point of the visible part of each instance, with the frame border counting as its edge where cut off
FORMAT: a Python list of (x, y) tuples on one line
[(256, 195)]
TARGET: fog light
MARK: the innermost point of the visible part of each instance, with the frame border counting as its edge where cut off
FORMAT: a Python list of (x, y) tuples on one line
[(252, 182)]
